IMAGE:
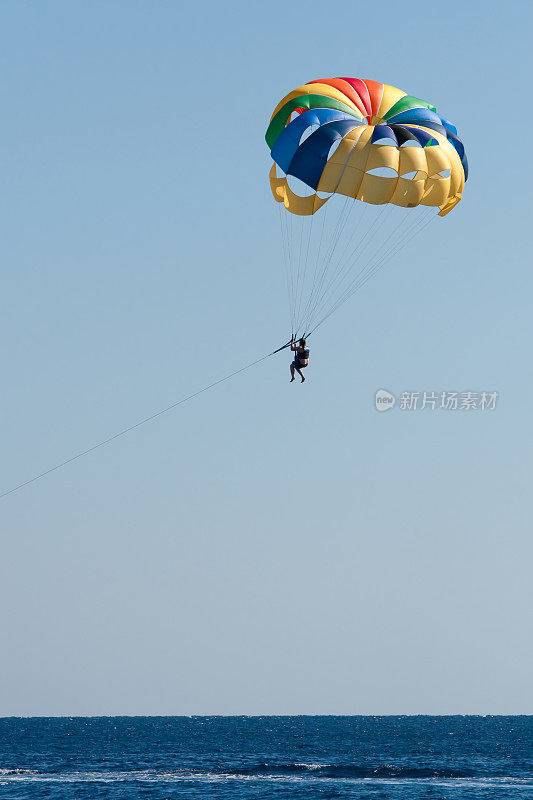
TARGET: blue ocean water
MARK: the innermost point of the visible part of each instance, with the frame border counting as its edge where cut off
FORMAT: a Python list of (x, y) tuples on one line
[(371, 758)]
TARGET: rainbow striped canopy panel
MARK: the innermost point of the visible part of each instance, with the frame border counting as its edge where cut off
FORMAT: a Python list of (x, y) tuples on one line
[(366, 140)]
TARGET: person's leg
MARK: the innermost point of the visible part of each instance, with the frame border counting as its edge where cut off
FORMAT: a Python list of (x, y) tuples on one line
[(292, 373), (300, 373)]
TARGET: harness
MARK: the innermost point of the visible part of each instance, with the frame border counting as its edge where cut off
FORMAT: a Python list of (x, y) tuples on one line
[(300, 357)]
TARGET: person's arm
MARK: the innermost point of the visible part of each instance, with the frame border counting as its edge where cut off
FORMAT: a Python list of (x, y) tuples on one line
[(293, 347)]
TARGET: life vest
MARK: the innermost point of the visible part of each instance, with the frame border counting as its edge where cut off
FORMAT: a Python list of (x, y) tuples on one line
[(304, 356)]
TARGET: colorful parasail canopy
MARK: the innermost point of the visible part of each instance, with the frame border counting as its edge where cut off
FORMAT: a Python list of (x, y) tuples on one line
[(365, 140)]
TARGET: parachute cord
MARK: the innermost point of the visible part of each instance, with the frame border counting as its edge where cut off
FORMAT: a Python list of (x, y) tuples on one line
[(306, 263), (130, 428), (285, 221), (343, 273), (311, 311), (344, 264), (318, 251), (292, 255), (357, 226), (369, 270), (361, 215), (344, 269), (365, 275), (341, 229), (292, 249), (320, 274), (383, 252), (285, 250), (335, 238), (297, 292)]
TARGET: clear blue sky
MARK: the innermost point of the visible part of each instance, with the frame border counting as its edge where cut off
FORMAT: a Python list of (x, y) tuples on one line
[(266, 548)]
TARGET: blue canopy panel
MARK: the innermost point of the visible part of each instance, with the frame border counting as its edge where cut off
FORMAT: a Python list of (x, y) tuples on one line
[(423, 137), (399, 134), (434, 126), (457, 143), (288, 141), (404, 134), (383, 132), (416, 116), (310, 158), (448, 125), (432, 121)]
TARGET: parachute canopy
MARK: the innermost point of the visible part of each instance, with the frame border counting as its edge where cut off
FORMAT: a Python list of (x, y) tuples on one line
[(337, 135), (385, 160)]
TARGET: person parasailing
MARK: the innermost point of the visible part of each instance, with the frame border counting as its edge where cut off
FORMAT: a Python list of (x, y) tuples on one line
[(301, 359)]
